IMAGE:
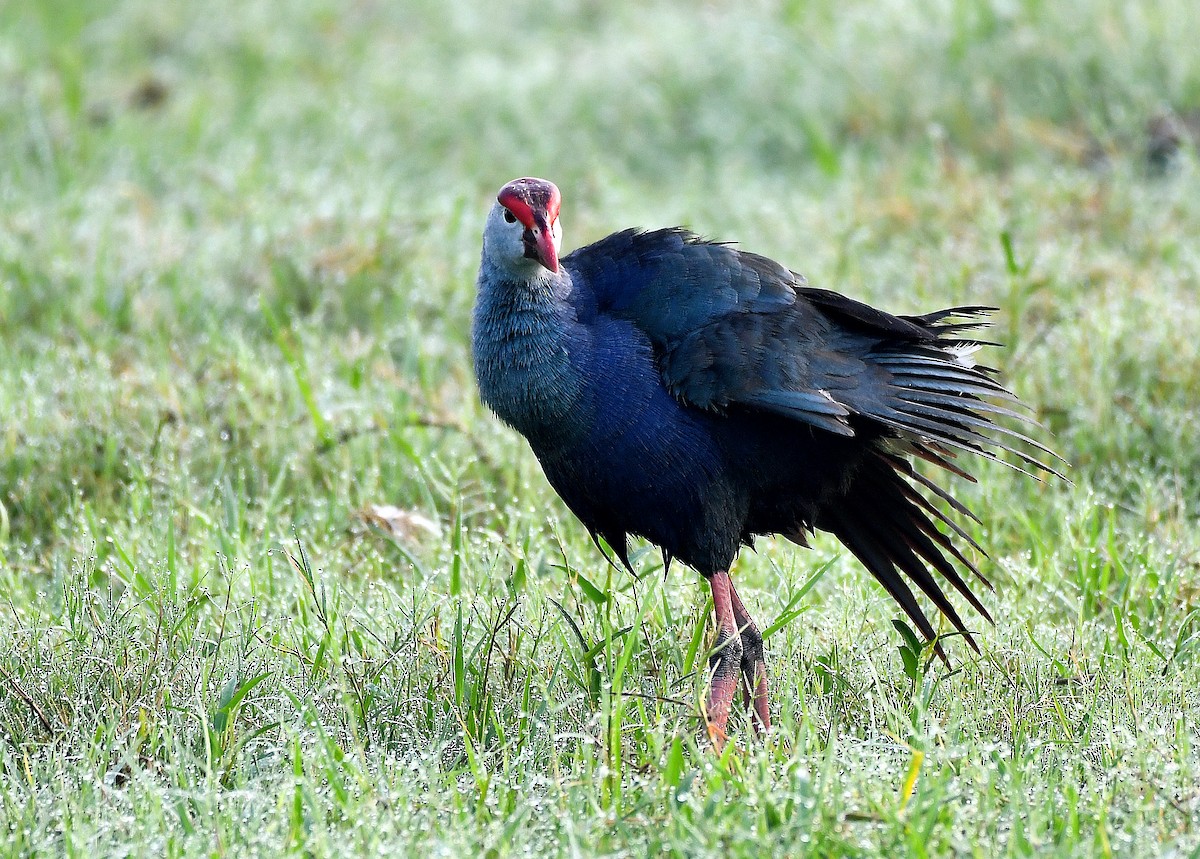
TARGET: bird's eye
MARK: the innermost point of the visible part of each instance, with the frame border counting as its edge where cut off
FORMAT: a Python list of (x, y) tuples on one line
[(510, 217)]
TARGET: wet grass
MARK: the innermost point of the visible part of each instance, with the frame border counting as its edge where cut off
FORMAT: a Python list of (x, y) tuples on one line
[(237, 253)]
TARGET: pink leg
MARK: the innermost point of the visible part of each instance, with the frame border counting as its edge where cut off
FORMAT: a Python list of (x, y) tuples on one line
[(754, 665), (725, 662)]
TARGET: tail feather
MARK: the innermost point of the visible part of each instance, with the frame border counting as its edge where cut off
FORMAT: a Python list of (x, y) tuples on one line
[(905, 467), (886, 523), (936, 401), (860, 540), (930, 509), (938, 455)]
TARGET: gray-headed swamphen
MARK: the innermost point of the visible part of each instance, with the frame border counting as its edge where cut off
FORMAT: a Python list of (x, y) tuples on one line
[(698, 396)]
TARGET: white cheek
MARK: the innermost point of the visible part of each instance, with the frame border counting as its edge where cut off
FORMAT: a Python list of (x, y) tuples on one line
[(517, 237), (502, 240), (556, 232)]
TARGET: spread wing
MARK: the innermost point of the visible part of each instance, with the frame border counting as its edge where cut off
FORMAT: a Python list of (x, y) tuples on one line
[(734, 330), (731, 328)]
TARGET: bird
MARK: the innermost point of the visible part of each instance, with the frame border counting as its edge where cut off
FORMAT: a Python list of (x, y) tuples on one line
[(697, 395)]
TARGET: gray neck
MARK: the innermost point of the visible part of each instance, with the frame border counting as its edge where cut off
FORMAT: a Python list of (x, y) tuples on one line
[(521, 337)]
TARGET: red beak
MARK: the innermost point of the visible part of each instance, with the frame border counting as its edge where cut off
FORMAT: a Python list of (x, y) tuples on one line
[(543, 237), (534, 202)]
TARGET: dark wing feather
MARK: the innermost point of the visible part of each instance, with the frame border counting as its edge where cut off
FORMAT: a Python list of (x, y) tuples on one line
[(727, 327), (736, 330), (886, 524)]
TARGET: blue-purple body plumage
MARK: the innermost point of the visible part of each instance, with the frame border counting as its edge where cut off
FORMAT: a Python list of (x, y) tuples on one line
[(698, 396)]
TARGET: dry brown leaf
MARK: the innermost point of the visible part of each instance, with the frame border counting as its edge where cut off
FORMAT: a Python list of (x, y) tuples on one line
[(406, 525)]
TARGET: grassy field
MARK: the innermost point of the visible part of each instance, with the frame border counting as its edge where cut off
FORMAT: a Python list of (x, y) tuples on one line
[(238, 242)]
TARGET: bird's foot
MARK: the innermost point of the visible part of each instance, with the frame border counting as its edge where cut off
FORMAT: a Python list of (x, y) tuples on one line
[(754, 666), (725, 662), (739, 651)]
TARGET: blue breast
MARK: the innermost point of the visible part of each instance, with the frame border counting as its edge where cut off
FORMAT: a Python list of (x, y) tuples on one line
[(583, 387), (643, 464)]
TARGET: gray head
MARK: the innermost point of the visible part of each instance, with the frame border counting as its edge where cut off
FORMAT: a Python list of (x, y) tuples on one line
[(523, 235)]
